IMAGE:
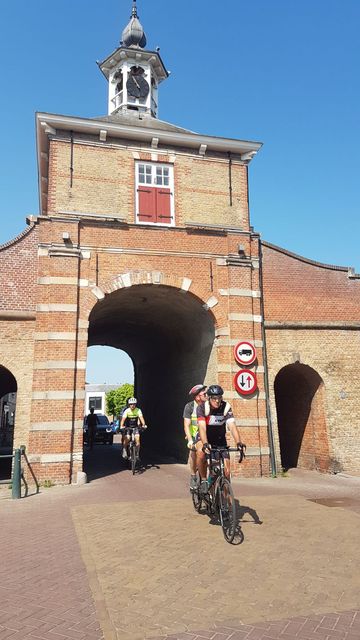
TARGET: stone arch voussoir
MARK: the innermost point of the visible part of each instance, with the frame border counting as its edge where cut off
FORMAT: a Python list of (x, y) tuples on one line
[(132, 278)]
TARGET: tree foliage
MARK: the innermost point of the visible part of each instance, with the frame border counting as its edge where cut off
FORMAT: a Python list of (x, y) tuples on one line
[(117, 398)]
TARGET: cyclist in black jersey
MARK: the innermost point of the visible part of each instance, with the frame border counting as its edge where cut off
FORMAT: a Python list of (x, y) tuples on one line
[(214, 416)]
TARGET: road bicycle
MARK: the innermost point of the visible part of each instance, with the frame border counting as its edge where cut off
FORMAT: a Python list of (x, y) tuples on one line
[(132, 449), (219, 499)]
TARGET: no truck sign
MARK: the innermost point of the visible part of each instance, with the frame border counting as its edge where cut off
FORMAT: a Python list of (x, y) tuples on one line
[(245, 382), (245, 353)]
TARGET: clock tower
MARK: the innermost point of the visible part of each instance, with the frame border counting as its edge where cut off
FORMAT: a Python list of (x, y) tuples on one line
[(133, 72)]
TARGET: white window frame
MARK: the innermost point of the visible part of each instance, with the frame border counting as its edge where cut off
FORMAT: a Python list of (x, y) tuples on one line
[(170, 186)]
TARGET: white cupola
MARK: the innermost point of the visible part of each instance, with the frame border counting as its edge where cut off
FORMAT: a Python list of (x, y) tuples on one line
[(133, 73)]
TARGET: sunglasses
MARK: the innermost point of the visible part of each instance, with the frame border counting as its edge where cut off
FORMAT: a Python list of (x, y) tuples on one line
[(216, 398)]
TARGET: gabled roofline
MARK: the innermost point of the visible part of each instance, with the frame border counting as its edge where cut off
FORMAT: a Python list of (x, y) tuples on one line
[(314, 263), (19, 236)]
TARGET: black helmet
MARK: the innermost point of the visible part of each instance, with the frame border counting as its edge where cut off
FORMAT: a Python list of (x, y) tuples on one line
[(215, 390)]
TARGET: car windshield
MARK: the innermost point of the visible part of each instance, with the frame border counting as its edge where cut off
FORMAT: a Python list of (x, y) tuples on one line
[(103, 420)]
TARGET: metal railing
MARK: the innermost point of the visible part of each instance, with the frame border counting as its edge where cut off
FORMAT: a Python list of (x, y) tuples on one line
[(17, 474)]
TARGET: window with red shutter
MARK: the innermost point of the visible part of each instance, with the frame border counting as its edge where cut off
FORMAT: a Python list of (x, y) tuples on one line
[(154, 193), (147, 204), (163, 205)]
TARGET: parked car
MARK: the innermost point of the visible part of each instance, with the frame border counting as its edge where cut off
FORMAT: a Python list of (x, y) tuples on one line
[(104, 430)]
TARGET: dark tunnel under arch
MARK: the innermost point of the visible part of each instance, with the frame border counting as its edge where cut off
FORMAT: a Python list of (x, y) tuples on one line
[(300, 406), (169, 335), (8, 389)]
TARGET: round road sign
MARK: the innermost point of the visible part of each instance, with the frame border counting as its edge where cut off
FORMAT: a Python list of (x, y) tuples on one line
[(245, 382), (245, 353)]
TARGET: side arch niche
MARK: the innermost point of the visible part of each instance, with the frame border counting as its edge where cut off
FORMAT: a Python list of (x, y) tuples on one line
[(169, 335), (8, 390), (301, 417)]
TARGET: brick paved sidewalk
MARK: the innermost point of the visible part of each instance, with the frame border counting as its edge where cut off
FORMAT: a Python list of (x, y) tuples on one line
[(49, 592), (176, 566)]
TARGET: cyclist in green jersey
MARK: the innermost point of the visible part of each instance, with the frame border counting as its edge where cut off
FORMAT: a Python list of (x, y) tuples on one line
[(197, 459), (133, 418)]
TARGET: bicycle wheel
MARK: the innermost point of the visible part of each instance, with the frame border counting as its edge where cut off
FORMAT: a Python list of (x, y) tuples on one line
[(196, 496), (133, 459), (227, 509), (210, 502)]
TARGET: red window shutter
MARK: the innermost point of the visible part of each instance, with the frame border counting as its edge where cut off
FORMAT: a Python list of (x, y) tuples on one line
[(163, 205), (147, 204)]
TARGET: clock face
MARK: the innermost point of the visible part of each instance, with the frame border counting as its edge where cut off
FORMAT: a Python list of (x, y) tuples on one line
[(137, 86)]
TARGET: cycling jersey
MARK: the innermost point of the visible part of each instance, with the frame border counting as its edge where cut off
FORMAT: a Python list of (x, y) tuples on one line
[(190, 414), (216, 419), (132, 416)]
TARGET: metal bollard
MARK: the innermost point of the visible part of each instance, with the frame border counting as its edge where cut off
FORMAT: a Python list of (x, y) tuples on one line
[(16, 476)]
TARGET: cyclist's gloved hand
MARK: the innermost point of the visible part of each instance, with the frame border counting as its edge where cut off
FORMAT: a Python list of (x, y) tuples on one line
[(206, 447), (241, 448), (190, 444)]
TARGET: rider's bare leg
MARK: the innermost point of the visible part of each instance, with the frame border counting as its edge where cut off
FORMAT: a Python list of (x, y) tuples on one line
[(137, 443), (227, 468), (201, 461), (125, 442), (192, 462)]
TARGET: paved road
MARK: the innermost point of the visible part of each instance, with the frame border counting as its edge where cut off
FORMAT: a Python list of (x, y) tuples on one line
[(127, 557)]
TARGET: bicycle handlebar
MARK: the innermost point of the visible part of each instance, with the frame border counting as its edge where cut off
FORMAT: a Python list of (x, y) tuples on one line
[(241, 451)]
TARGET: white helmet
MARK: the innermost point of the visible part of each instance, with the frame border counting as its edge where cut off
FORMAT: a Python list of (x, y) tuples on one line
[(132, 401)]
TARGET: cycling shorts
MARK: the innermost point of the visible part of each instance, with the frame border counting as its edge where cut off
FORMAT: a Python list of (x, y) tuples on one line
[(128, 431)]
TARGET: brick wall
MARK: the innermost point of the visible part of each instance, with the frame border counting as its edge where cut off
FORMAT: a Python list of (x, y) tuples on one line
[(312, 317), (18, 268), (103, 181)]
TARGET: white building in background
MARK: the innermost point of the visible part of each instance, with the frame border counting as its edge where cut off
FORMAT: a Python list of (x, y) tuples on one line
[(95, 397)]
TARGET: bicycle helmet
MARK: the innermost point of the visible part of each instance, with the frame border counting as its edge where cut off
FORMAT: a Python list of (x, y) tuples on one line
[(215, 390), (196, 389), (132, 401)]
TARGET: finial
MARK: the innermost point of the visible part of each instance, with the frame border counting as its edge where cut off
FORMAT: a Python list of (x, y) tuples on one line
[(133, 34)]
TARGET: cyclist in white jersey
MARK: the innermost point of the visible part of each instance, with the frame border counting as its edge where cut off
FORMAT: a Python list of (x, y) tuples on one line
[(214, 417)]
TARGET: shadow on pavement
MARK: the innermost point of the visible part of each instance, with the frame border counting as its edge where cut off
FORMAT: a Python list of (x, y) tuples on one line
[(106, 460), (241, 512)]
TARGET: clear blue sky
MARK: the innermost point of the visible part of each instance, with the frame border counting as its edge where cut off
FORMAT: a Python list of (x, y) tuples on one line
[(284, 72)]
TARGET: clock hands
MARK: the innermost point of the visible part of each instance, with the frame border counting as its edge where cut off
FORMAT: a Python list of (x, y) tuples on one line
[(137, 86)]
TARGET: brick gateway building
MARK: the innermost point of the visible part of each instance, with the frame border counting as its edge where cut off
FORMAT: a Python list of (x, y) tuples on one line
[(143, 243)]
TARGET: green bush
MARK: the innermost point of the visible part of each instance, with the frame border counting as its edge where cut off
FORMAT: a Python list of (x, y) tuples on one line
[(117, 398)]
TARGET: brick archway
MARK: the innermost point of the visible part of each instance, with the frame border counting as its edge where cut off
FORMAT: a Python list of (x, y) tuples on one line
[(169, 334), (8, 389), (132, 278), (300, 405)]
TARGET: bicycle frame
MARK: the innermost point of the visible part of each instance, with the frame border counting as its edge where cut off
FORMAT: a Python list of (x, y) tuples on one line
[(132, 451), (220, 498), (216, 469)]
